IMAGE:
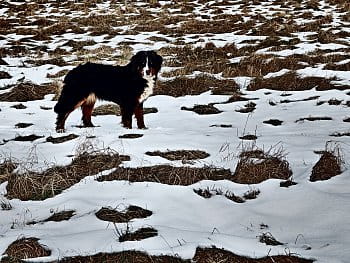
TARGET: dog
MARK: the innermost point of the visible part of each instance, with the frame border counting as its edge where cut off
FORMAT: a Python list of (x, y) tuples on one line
[(128, 86)]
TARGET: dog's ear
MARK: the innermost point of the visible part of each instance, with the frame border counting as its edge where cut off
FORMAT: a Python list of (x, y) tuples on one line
[(157, 60), (137, 60)]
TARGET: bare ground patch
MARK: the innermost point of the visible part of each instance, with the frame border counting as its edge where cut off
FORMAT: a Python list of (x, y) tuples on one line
[(39, 186), (113, 215)]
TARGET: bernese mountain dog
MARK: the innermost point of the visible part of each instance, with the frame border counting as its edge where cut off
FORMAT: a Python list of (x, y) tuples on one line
[(128, 86)]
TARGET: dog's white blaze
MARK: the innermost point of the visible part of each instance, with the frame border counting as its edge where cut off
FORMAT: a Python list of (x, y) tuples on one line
[(91, 99), (146, 68), (149, 88)]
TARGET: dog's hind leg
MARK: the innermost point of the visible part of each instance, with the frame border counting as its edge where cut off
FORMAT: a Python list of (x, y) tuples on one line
[(87, 108), (139, 116)]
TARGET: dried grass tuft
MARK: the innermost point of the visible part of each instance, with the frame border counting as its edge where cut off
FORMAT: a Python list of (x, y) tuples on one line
[(167, 174), (139, 234), (328, 166), (112, 215), (184, 155), (6, 168), (28, 91), (25, 248), (256, 166), (39, 186), (213, 254)]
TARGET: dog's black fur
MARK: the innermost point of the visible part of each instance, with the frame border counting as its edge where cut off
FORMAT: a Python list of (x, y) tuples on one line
[(127, 86)]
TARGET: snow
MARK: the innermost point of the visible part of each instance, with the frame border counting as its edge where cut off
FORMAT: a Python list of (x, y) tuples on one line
[(310, 218)]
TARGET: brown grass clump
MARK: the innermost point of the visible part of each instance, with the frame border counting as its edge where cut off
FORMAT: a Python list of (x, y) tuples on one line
[(61, 139), (138, 235), (203, 109), (125, 257), (6, 168), (167, 174), (25, 248), (39, 186), (328, 166), (112, 215), (28, 91), (114, 109), (273, 122), (180, 155), (60, 216), (213, 254), (292, 82), (256, 166), (182, 86)]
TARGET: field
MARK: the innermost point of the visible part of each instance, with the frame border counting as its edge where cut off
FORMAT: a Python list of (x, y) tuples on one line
[(245, 155)]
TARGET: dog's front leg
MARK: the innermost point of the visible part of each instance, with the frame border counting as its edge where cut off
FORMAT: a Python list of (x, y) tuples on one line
[(126, 113), (139, 116)]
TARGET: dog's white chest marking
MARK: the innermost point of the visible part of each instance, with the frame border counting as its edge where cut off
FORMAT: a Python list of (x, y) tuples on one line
[(149, 88)]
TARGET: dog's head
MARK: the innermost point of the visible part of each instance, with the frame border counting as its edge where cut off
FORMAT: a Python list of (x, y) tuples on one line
[(146, 63)]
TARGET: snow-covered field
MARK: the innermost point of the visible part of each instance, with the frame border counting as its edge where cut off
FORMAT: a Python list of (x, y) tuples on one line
[(310, 219)]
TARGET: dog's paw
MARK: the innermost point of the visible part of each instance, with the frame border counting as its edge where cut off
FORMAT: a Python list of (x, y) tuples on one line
[(60, 130)]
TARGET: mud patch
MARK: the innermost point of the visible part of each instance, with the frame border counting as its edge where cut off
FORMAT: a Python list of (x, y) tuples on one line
[(112, 215)]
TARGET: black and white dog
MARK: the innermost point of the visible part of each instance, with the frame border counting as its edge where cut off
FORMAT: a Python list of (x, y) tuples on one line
[(129, 86)]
